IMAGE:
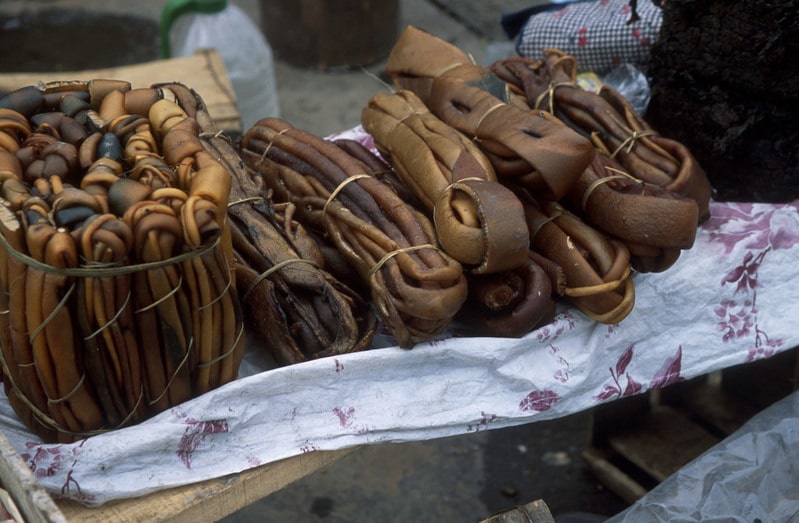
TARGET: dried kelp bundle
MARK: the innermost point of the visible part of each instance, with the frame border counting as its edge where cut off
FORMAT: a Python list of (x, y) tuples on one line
[(115, 272), (478, 221), (514, 302), (610, 121), (654, 223), (528, 148), (596, 266), (415, 287), (295, 309), (379, 167)]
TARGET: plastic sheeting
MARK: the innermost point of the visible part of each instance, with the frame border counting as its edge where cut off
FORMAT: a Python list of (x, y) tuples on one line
[(753, 475), (730, 299)]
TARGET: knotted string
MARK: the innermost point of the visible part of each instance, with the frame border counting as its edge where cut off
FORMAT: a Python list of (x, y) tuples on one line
[(339, 188), (270, 144), (629, 142), (393, 253), (606, 179), (545, 221), (550, 93), (485, 115), (272, 270)]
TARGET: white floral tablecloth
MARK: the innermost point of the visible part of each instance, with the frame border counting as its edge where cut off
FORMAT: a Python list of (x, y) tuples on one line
[(731, 299)]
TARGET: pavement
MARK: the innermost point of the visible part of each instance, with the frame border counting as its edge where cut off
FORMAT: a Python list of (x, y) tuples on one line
[(316, 100), (465, 478)]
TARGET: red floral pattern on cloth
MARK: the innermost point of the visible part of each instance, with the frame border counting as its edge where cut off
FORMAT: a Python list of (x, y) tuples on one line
[(624, 384), (759, 231), (48, 461), (194, 434), (539, 400), (728, 300)]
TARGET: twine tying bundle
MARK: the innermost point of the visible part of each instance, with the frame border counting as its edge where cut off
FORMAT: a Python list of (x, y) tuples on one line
[(596, 267)]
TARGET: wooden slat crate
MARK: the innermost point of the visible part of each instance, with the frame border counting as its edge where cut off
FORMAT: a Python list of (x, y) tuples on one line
[(204, 72), (637, 442)]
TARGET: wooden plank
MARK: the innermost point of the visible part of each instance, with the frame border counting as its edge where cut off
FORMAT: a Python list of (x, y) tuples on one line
[(613, 477), (636, 446), (204, 72), (534, 512), (207, 501), (30, 498), (663, 443), (9, 513), (204, 501)]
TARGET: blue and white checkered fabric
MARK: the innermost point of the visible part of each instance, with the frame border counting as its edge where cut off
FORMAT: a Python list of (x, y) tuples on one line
[(596, 33)]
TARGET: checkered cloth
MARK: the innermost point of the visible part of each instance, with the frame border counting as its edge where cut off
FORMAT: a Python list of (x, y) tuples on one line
[(597, 33)]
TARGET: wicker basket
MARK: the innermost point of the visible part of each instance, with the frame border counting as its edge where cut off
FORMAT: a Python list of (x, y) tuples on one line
[(116, 289)]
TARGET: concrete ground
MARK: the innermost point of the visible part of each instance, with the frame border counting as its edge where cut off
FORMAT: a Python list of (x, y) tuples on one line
[(460, 479), (465, 478), (319, 101)]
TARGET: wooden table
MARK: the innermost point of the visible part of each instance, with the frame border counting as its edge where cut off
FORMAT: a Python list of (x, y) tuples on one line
[(204, 501)]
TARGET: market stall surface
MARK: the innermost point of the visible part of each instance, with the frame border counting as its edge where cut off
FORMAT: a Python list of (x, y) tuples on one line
[(461, 478)]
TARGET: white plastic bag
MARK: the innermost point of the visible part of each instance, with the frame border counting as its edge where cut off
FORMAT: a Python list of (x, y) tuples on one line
[(245, 52)]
